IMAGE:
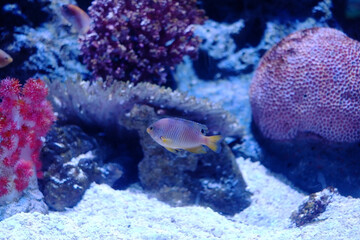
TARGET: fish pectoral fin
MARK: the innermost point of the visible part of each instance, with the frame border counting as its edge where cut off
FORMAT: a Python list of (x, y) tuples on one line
[(199, 149), (165, 140), (171, 150)]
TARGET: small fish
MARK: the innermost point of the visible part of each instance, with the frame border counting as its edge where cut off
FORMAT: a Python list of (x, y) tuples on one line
[(5, 59), (177, 133), (77, 17)]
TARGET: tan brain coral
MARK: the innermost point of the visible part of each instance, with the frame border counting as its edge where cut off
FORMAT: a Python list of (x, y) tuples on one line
[(309, 82)]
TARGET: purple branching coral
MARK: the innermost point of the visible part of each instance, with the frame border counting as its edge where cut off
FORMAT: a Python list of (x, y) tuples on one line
[(135, 41)]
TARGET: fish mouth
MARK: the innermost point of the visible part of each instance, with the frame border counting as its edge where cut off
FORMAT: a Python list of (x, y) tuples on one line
[(148, 130)]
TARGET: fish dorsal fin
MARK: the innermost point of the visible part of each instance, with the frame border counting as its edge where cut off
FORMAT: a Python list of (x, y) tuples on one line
[(166, 140), (199, 149), (196, 125)]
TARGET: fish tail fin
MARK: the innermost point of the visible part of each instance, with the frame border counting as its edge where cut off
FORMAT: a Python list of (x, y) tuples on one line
[(213, 142)]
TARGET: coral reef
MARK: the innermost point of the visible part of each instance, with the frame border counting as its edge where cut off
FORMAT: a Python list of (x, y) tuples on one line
[(313, 207), (109, 144), (212, 179), (139, 40), (308, 83), (25, 117)]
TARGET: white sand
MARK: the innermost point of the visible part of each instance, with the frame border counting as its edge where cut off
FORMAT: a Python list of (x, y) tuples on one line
[(105, 213)]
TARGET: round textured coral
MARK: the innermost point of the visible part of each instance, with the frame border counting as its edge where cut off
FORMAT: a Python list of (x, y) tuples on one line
[(309, 83), (139, 40)]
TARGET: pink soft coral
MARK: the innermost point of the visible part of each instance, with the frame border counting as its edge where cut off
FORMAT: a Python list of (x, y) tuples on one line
[(25, 117), (309, 83)]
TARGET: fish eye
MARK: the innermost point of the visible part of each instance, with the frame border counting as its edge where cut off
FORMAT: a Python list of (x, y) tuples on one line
[(203, 131), (151, 128)]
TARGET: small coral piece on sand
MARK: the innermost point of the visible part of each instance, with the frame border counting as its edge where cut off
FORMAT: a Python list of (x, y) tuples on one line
[(313, 207)]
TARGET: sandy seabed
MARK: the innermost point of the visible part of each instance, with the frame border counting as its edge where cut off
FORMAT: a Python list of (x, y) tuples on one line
[(105, 213)]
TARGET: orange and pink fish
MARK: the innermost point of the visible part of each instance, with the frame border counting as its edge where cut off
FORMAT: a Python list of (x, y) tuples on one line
[(77, 17), (176, 133), (5, 59)]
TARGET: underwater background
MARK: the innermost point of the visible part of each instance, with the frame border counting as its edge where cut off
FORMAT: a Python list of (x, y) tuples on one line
[(263, 97)]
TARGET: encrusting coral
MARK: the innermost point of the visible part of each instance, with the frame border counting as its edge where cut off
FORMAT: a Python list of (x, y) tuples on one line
[(309, 83), (210, 179), (137, 41)]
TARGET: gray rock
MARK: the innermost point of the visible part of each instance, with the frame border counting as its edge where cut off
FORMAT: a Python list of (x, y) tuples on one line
[(72, 160)]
